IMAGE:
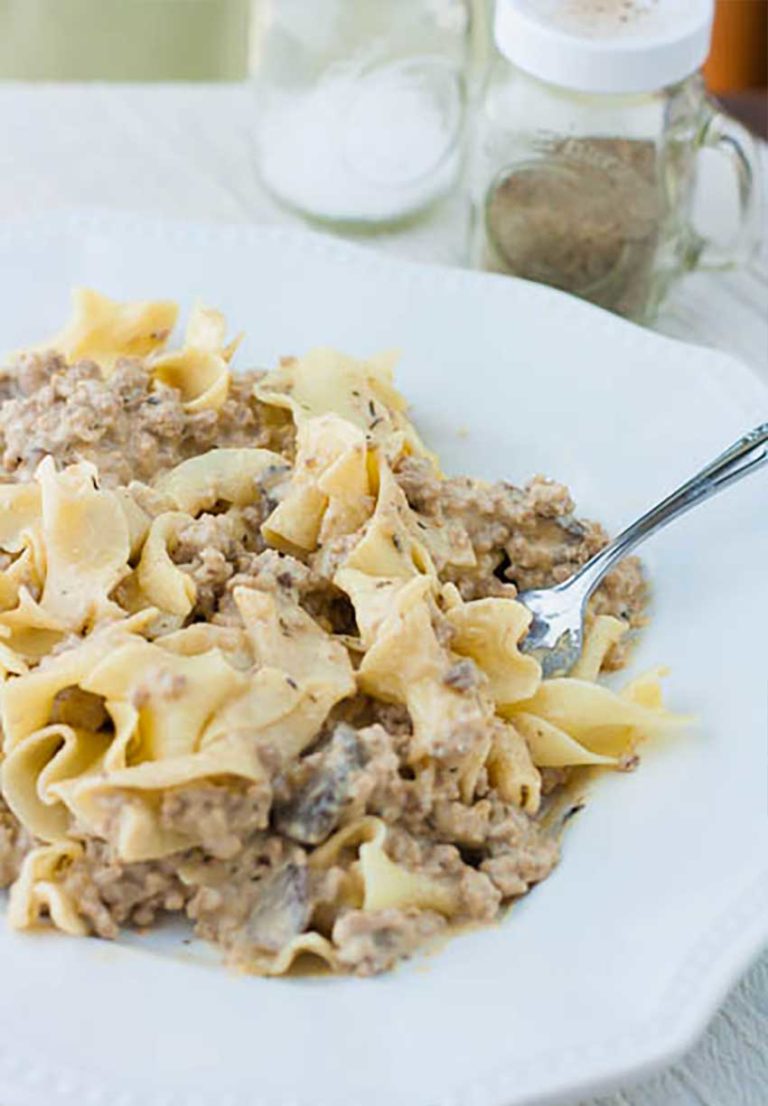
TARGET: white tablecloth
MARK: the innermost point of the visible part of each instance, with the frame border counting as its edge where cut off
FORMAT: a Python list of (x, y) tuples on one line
[(188, 152)]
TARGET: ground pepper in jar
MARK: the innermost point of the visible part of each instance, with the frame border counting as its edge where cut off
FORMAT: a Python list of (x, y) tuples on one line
[(585, 150), (585, 217)]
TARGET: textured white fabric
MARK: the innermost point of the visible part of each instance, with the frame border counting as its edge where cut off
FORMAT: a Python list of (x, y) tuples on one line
[(188, 152)]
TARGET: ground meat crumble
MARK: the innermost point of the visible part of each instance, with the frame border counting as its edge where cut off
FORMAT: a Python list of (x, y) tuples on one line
[(128, 426), (524, 537)]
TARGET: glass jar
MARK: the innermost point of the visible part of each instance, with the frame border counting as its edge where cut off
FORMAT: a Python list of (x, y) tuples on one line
[(361, 105), (587, 149)]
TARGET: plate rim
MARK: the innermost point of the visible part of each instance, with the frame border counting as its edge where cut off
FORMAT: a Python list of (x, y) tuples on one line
[(714, 962), (749, 384)]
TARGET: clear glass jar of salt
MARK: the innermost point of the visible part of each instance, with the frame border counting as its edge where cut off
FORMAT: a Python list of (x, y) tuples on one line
[(588, 148), (361, 105)]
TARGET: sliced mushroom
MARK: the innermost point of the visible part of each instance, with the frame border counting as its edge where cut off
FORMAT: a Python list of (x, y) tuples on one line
[(283, 908), (315, 808)]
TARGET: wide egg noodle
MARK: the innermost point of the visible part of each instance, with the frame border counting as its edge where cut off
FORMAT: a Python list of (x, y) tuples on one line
[(383, 883), (605, 633), (26, 703), (595, 721), (22, 575), (87, 545), (304, 673), (273, 713), (11, 664), (360, 392), (551, 747), (329, 493), (37, 764), (159, 580), (104, 330), (233, 476), (201, 377), (125, 739), (72, 552), (372, 598), (37, 891), (489, 631), (646, 691), (306, 945), (391, 544), (453, 727), (175, 694), (207, 329), (137, 520), (200, 370), (23, 547), (201, 637), (284, 636), (390, 886), (29, 630), (405, 650), (511, 767), (20, 511)]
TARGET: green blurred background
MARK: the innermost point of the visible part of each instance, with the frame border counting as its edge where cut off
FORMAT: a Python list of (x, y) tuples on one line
[(197, 40), (136, 40)]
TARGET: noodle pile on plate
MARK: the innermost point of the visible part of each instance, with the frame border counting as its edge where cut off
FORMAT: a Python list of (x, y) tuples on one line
[(260, 659)]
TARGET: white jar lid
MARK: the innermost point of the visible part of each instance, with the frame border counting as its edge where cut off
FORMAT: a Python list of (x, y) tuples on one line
[(617, 46)]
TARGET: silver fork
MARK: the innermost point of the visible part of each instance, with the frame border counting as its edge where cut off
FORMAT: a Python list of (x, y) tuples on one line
[(556, 634)]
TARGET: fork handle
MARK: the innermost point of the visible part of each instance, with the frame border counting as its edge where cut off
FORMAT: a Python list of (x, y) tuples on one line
[(743, 457)]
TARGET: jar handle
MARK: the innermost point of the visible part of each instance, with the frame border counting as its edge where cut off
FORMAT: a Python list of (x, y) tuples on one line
[(733, 141)]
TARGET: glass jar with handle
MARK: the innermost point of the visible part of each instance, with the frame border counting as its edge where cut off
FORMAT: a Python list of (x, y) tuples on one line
[(587, 150), (361, 105)]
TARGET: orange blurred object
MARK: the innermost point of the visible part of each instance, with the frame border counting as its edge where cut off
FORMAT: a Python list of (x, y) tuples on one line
[(739, 57)]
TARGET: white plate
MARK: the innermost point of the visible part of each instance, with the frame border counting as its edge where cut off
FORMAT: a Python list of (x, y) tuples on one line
[(615, 963)]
